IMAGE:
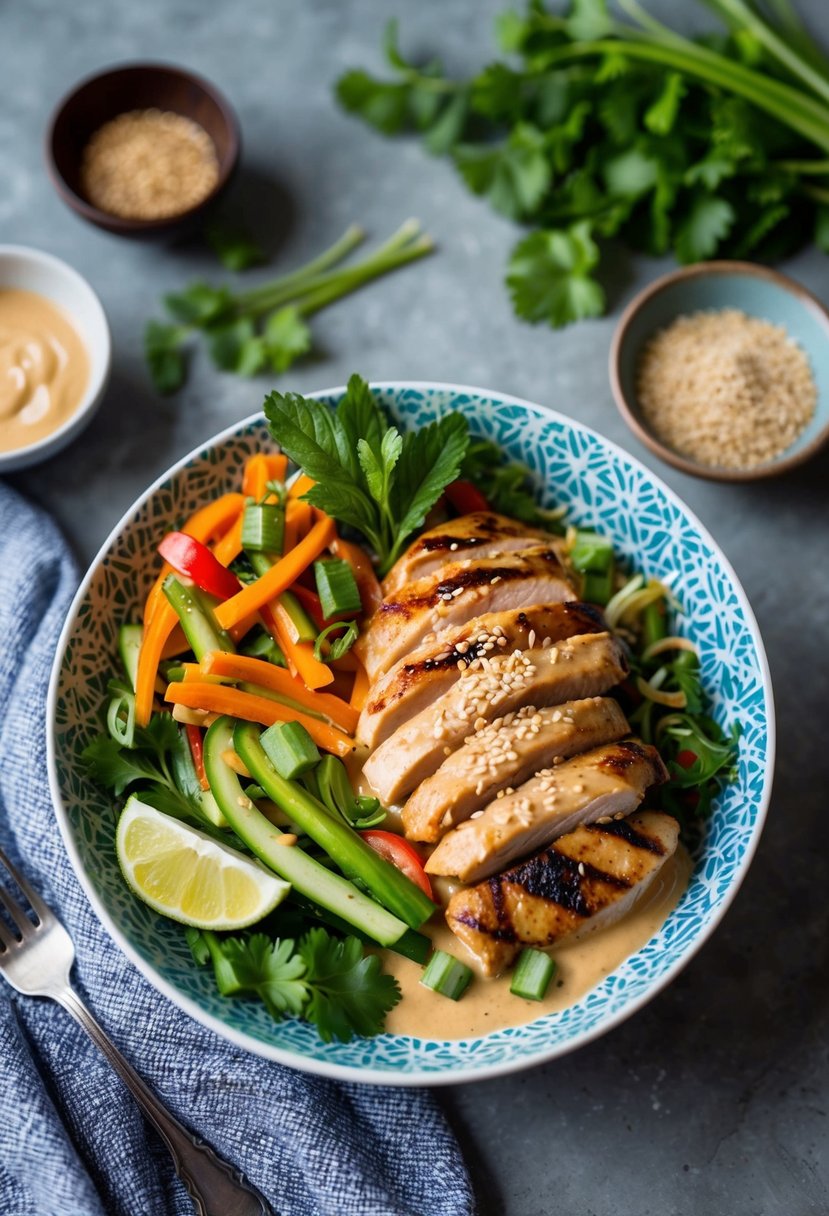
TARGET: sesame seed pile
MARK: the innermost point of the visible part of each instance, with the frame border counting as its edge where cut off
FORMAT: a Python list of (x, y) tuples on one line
[(725, 389), (149, 165)]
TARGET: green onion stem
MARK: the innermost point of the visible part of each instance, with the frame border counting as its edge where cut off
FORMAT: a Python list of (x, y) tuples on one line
[(788, 105), (816, 168), (350, 239), (349, 280)]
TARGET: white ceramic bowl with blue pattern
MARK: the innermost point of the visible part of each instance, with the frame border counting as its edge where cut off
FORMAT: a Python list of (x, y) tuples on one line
[(601, 486)]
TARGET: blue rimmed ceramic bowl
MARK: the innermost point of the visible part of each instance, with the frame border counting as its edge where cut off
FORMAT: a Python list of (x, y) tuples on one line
[(601, 486), (755, 290)]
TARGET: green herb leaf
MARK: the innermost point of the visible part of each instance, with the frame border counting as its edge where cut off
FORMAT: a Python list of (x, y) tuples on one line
[(164, 351), (234, 246), (337, 647), (272, 970), (349, 994), (200, 304), (287, 337), (429, 459), (514, 175), (707, 223), (589, 19), (237, 348), (380, 104), (661, 115), (549, 276)]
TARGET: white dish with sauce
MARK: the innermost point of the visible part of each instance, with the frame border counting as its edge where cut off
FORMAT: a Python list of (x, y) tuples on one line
[(606, 978), (55, 352)]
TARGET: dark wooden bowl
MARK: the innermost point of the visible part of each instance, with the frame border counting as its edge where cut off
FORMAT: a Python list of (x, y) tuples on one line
[(137, 86)]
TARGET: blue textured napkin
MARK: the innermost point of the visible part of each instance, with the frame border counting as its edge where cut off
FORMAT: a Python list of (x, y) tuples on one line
[(72, 1142)]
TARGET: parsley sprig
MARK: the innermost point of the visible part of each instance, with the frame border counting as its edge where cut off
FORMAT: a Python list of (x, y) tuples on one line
[(368, 475), (327, 980), (603, 128)]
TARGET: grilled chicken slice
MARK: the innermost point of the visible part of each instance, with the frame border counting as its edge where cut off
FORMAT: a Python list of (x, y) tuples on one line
[(583, 666), (456, 594), (481, 534), (583, 882), (503, 754), (418, 680), (608, 781)]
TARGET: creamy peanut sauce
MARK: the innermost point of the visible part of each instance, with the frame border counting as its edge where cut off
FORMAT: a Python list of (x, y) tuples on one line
[(44, 368), (489, 1005)]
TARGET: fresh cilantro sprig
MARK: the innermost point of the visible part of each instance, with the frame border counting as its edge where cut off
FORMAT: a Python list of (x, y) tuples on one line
[(368, 475), (266, 327), (507, 487), (602, 128), (327, 980)]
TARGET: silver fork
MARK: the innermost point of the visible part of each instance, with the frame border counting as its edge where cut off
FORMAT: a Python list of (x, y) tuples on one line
[(37, 963)]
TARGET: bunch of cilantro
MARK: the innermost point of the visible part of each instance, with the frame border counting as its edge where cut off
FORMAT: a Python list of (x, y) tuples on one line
[(600, 129)]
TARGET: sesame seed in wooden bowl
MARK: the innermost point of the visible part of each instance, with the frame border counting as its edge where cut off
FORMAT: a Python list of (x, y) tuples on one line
[(722, 370), (143, 149)]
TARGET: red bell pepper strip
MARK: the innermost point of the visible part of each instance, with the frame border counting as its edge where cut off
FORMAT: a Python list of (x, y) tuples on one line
[(194, 560), (194, 738), (400, 853), (686, 758), (465, 497)]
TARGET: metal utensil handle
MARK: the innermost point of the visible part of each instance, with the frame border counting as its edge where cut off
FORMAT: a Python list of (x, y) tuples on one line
[(215, 1188)]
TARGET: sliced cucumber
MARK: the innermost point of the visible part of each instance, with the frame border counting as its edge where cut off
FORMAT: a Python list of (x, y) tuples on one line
[(195, 612), (342, 844), (129, 644), (186, 778), (307, 876)]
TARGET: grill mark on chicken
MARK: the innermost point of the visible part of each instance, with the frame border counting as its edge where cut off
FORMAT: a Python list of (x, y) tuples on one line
[(625, 831), (464, 579), (625, 755)]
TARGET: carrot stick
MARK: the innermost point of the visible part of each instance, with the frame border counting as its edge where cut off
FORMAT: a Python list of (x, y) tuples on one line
[(259, 470), (259, 671), (217, 698), (301, 486), (277, 467), (176, 643), (229, 546), (368, 585), (299, 656), (156, 632), (359, 693), (298, 519), (278, 578)]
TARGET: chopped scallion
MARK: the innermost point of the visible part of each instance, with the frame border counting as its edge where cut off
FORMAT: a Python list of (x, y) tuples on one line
[(290, 749), (446, 975), (339, 646), (532, 975), (263, 527), (336, 587), (597, 588), (592, 552)]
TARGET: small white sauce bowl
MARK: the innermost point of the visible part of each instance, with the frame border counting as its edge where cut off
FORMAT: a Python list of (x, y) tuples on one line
[(26, 269)]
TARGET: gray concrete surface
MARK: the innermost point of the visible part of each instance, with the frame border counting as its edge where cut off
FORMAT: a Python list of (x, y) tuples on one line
[(713, 1100)]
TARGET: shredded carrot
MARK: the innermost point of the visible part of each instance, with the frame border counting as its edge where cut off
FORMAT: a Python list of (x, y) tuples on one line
[(176, 644), (204, 525), (301, 486), (156, 632), (368, 585), (217, 698), (279, 578), (298, 520), (359, 693), (299, 656), (259, 671), (229, 546)]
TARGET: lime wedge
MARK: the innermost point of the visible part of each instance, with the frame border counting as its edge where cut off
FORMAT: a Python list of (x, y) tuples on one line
[(188, 876)]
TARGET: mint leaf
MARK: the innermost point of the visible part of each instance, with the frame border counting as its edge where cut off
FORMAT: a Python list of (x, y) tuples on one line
[(349, 994), (287, 337), (313, 437), (360, 416), (378, 468), (708, 221), (164, 352), (549, 276)]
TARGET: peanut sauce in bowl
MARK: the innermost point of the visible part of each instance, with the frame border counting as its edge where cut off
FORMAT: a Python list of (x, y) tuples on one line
[(54, 355)]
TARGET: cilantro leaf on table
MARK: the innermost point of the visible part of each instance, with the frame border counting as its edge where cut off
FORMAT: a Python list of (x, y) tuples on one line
[(349, 994), (708, 221), (514, 175), (367, 474), (234, 246), (237, 347), (549, 276), (287, 337), (166, 359)]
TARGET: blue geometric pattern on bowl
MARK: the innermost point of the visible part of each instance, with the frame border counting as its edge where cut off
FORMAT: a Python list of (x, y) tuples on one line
[(600, 486)]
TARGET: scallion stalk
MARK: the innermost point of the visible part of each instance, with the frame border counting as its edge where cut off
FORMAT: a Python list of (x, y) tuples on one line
[(446, 975), (532, 975)]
